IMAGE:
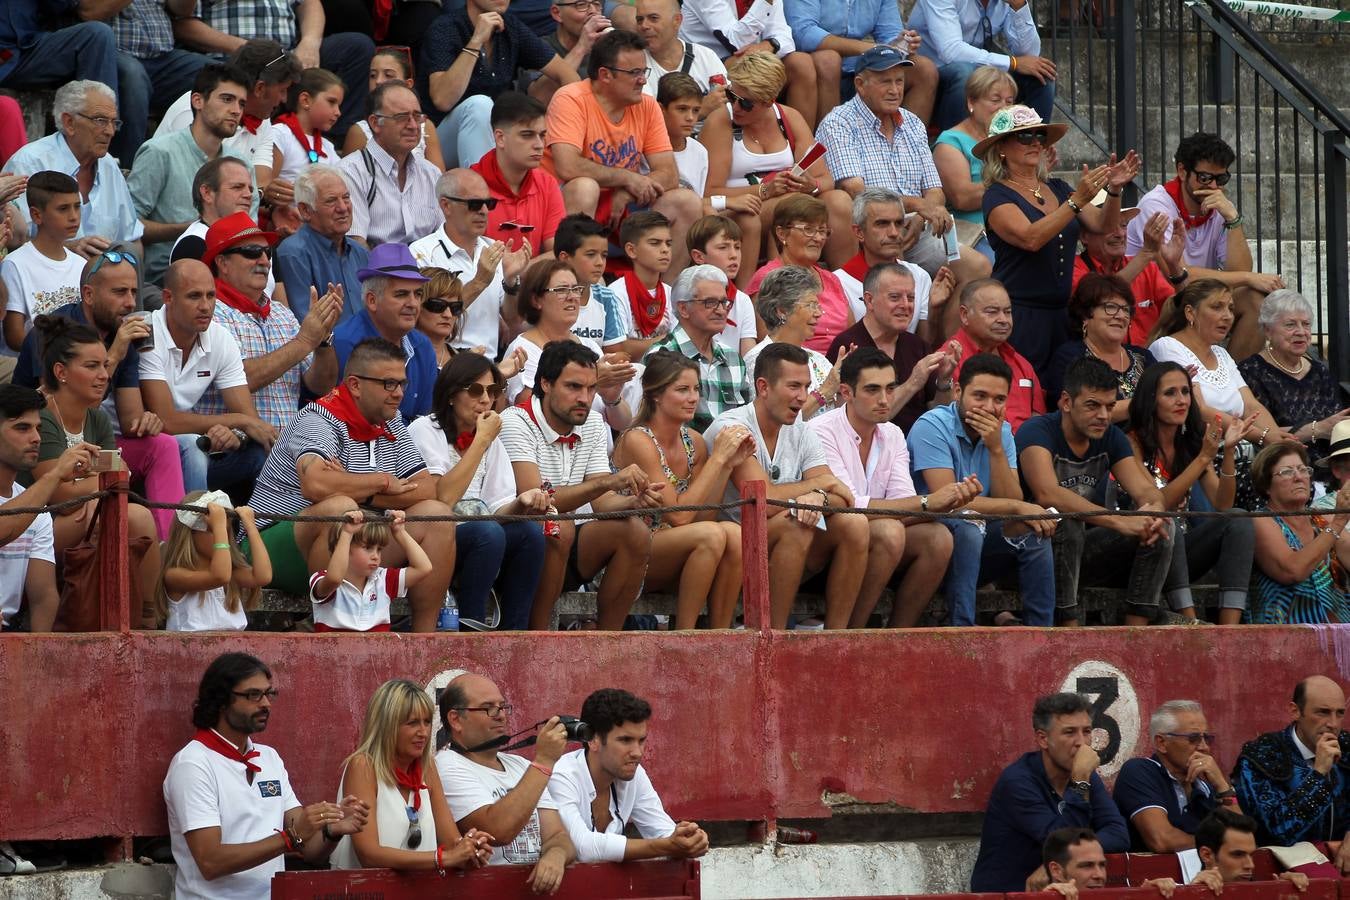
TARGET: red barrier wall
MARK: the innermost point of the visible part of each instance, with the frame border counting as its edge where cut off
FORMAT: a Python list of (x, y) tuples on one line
[(663, 879)]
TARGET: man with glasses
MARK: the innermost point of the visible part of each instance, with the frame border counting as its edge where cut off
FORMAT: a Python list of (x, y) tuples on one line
[(505, 795), (321, 253), (1215, 243), (1153, 274), (701, 310), (392, 293), (233, 818), (603, 130), (1164, 797), (352, 448), (489, 271)]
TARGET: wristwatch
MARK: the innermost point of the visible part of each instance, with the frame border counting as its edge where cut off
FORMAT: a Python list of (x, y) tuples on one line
[(1177, 280), (923, 502), (1081, 788), (773, 42)]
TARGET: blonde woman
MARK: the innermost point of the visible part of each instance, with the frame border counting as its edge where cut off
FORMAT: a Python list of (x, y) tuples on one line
[(988, 90), (392, 772)]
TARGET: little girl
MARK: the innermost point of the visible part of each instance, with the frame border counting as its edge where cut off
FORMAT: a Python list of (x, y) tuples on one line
[(207, 584), (298, 139), (355, 592), (394, 64)]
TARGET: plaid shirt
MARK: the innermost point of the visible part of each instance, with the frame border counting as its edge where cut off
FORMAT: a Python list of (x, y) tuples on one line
[(278, 402), (856, 148), (721, 379), (248, 19), (143, 29)]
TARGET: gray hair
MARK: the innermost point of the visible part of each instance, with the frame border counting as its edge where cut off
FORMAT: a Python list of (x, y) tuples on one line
[(72, 96), (683, 291), (451, 183), (874, 275), (874, 195), (307, 182), (781, 291), (376, 284), (1164, 718), (1281, 303)]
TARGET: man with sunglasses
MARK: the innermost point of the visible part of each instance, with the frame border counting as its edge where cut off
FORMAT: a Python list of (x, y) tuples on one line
[(1216, 245), (1164, 797)]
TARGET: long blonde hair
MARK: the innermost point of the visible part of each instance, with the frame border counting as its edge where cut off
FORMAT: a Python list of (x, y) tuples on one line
[(389, 708), (996, 170), (180, 553)]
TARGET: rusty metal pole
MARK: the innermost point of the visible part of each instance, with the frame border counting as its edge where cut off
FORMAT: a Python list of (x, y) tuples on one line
[(114, 556), (755, 556)]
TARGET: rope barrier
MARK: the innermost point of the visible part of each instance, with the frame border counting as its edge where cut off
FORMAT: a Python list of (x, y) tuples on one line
[(1054, 516)]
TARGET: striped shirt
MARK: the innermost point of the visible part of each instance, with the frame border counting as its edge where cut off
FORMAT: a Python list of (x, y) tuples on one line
[(318, 432), (277, 402), (533, 441), (394, 214)]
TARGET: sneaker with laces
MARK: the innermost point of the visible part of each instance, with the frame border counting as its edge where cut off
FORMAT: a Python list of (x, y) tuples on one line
[(11, 863)]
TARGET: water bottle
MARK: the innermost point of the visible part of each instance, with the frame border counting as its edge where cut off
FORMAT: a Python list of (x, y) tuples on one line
[(448, 618)]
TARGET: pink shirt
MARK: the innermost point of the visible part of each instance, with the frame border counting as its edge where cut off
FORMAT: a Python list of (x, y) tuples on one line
[(884, 475), (834, 311)]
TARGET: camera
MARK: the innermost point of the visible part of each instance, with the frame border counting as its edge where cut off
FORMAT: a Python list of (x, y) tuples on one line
[(577, 730)]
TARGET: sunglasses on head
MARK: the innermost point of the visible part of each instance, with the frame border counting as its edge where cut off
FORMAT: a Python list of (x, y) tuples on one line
[(744, 103), (250, 252), (439, 305), (477, 390), (114, 257), (476, 204), (1039, 136)]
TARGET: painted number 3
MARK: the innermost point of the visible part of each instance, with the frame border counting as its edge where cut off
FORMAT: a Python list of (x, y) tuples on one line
[(1115, 711)]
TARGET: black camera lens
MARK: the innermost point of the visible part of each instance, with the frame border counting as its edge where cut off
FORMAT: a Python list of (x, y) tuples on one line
[(577, 730)]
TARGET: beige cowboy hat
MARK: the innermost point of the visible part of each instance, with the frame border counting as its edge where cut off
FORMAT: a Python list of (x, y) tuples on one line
[(1013, 119)]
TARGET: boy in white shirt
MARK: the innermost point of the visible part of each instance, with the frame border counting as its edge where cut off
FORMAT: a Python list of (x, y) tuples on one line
[(583, 244), (680, 98), (643, 308), (355, 592), (43, 275), (716, 241)]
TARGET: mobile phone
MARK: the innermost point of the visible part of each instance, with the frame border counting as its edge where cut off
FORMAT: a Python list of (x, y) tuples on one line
[(106, 461)]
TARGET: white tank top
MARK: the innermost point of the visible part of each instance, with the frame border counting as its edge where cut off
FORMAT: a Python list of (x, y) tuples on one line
[(746, 162), (204, 611), (391, 818)]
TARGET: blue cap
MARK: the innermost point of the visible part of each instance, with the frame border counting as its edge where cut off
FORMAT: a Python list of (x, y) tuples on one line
[(882, 57)]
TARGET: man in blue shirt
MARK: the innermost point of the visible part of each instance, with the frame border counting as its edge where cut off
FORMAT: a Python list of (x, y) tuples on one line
[(391, 287), (1054, 786), (969, 440), (33, 57), (1067, 458), (320, 253)]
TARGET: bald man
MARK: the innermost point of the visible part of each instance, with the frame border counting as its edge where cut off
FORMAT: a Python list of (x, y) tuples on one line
[(501, 793), (489, 271), (659, 21), (192, 354), (1296, 782)]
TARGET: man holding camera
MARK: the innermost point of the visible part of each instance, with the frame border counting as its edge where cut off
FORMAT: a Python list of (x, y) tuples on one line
[(602, 788), (500, 793)]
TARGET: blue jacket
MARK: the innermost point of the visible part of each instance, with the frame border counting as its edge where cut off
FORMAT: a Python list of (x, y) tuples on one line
[(421, 365), (1023, 810), (1290, 801)]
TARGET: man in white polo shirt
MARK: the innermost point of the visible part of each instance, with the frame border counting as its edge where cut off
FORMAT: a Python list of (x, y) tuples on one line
[(192, 353), (556, 442), (232, 814)]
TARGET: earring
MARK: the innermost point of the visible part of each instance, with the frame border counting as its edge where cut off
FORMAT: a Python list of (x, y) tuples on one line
[(1183, 426)]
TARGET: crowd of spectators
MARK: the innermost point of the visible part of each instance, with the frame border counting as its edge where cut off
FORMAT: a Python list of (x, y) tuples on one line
[(626, 257)]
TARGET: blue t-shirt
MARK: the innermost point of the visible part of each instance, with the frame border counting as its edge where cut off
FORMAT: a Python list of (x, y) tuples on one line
[(938, 440), (1085, 475), (421, 364), (28, 370), (1143, 783)]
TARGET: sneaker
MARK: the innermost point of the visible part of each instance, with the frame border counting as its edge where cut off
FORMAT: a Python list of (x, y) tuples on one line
[(11, 863)]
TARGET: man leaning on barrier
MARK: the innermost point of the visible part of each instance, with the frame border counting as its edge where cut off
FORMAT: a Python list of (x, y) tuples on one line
[(1074, 861), (1226, 841)]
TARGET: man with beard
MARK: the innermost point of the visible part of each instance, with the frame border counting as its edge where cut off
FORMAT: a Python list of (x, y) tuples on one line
[(233, 817), (602, 788)]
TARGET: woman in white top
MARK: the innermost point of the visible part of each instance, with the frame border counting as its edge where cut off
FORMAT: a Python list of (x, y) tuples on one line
[(788, 304), (459, 443), (752, 146), (393, 64), (392, 772)]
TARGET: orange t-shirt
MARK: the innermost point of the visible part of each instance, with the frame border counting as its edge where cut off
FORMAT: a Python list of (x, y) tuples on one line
[(574, 117)]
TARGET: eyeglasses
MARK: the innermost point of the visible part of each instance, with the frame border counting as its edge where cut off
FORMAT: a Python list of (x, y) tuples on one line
[(1291, 471), (581, 4), (438, 305), (1115, 309), (631, 73), (515, 226), (1192, 737), (713, 302), (414, 839), (477, 390), (475, 204), (283, 55), (256, 695), (101, 122), (1219, 178), (114, 257), (491, 710), (745, 103), (812, 231), (565, 291), (1039, 136), (253, 251), (404, 118), (389, 384)]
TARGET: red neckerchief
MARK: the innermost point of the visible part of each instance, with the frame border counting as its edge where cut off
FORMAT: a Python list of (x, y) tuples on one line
[(292, 122), (491, 170), (234, 299), (743, 7), (464, 440), (1096, 265), (648, 310), (342, 405), (567, 440), (857, 266), (211, 740), (412, 780), (731, 295), (250, 123), (1173, 189)]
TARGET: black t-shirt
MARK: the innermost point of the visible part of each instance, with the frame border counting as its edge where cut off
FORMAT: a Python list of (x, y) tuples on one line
[(1085, 475), (514, 48)]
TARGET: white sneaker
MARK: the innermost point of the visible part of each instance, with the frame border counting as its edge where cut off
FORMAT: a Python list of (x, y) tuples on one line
[(11, 863)]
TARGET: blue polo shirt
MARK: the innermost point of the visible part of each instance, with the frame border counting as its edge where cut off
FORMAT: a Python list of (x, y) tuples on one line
[(307, 259), (938, 440), (1144, 783), (422, 369)]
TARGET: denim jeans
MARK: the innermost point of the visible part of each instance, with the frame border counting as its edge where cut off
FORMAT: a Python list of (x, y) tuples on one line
[(87, 50), (1095, 556), (147, 85), (202, 471), (510, 554), (465, 132), (1224, 545), (980, 557), (951, 100)]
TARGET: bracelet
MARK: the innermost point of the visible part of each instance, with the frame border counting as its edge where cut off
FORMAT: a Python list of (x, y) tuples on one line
[(1012, 64), (1224, 795), (440, 860), (1073, 205), (220, 546), (476, 53), (1111, 193), (548, 773), (1223, 474), (1261, 441), (286, 838), (719, 202), (824, 496), (943, 385), (1236, 223), (819, 398)]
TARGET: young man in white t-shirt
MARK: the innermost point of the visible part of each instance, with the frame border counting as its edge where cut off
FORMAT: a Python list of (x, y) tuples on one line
[(42, 275), (583, 244), (233, 816), (500, 793)]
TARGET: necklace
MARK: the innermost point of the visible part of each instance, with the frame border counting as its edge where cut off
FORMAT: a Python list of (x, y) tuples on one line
[(1035, 192), (1296, 371), (1120, 354)]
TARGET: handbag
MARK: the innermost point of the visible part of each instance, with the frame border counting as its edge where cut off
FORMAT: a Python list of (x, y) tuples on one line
[(81, 587)]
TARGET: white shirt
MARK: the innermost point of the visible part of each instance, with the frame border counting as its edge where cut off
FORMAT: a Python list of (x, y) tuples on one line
[(740, 326), (1308, 755), (469, 787), (198, 230), (531, 439), (34, 543), (352, 608), (1221, 386), (204, 789), (214, 361), (623, 312), (632, 802), (295, 158), (705, 65), (204, 611), (481, 317), (396, 214), (797, 450), (493, 481), (763, 20), (391, 819), (923, 286), (590, 323), (37, 284), (692, 165), (256, 148)]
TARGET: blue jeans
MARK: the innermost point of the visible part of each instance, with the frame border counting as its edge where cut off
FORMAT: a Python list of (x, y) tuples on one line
[(951, 100), (146, 85), (465, 132), (510, 554), (347, 55), (202, 471), (980, 558), (87, 50)]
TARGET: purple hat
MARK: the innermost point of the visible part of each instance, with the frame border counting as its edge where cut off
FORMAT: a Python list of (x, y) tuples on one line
[(391, 261)]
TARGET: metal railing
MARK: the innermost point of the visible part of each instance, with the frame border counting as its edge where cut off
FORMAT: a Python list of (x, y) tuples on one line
[(1144, 75)]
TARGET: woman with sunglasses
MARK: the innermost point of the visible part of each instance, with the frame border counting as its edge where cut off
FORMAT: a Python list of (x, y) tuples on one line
[(394, 64), (392, 771), (789, 305), (1033, 222), (753, 145), (459, 443), (442, 318), (1300, 560)]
